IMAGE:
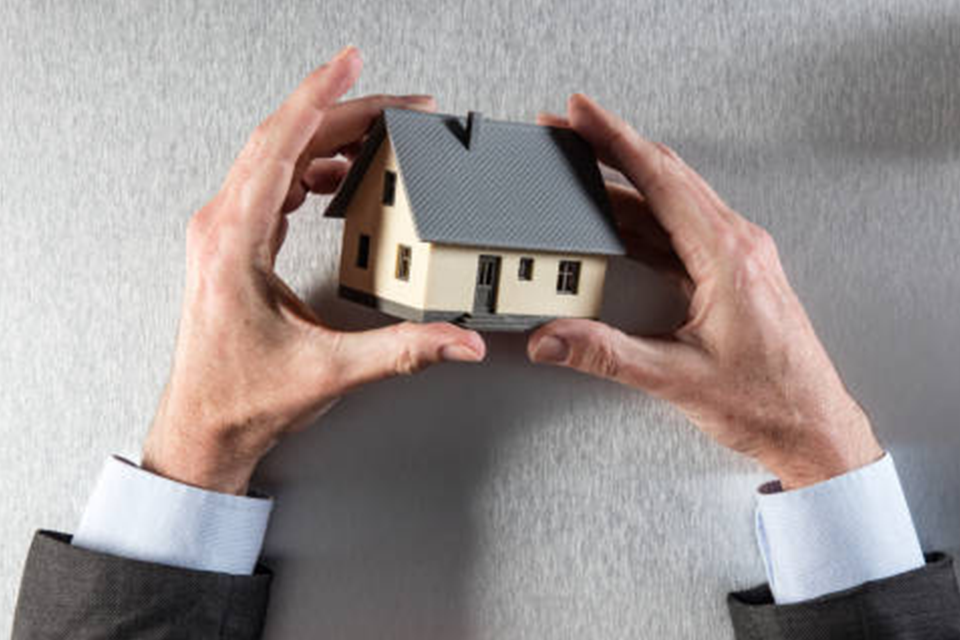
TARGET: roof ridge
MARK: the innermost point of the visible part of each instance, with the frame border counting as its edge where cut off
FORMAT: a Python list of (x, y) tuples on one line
[(486, 119)]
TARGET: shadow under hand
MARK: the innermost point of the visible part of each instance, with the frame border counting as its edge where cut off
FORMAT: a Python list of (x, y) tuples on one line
[(373, 533), (373, 530), (640, 301), (375, 526)]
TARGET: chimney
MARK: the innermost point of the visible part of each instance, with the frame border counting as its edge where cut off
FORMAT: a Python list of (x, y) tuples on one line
[(473, 128)]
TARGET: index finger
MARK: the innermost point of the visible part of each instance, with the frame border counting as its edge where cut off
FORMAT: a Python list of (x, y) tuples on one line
[(347, 122), (343, 129), (656, 173), (296, 121), (260, 178), (266, 164)]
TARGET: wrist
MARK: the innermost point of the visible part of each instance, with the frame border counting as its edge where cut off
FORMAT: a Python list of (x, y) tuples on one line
[(825, 452), (796, 474), (203, 472), (211, 458), (211, 468)]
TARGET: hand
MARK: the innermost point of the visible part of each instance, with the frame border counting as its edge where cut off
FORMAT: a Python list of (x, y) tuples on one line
[(252, 361), (746, 367)]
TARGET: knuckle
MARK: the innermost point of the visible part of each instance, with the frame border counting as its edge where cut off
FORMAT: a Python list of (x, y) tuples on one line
[(620, 137), (197, 228), (266, 125), (406, 363), (260, 135), (659, 181), (730, 241), (667, 151), (760, 246), (241, 171), (664, 173), (407, 360), (759, 235), (327, 347), (754, 253), (616, 137), (751, 263), (258, 142), (213, 257), (602, 357), (202, 226), (663, 167)]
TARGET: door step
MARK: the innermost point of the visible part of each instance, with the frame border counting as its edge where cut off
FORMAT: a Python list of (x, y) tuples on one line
[(500, 322)]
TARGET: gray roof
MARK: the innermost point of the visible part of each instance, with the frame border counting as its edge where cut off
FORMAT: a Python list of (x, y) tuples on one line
[(493, 184)]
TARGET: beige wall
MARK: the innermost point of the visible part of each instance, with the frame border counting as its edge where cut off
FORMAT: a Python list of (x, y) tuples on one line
[(453, 272), (442, 277), (387, 227)]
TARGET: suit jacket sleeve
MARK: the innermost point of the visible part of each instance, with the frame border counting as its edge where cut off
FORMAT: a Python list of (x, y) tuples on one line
[(920, 604), (69, 592)]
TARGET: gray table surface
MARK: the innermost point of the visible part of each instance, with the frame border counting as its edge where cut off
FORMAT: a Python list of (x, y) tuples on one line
[(496, 501)]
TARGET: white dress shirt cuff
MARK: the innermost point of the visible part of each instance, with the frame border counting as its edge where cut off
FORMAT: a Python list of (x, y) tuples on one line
[(142, 516), (836, 534)]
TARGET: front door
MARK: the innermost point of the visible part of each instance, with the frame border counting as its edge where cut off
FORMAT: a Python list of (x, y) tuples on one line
[(488, 276)]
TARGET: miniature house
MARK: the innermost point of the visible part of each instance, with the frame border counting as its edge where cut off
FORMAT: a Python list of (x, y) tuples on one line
[(493, 225)]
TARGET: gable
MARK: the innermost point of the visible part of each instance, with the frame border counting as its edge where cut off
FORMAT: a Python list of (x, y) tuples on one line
[(341, 201), (387, 228)]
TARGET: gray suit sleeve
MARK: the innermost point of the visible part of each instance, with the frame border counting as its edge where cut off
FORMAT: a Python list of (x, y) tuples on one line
[(68, 592), (918, 604)]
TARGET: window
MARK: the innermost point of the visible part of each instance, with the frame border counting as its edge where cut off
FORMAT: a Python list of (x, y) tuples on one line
[(389, 187), (403, 262), (526, 269), (363, 251), (568, 277)]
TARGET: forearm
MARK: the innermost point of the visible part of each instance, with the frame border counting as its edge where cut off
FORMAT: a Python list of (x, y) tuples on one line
[(69, 592), (151, 558), (843, 561)]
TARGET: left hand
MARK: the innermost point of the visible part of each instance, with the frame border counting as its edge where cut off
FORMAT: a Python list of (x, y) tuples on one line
[(746, 367), (252, 360)]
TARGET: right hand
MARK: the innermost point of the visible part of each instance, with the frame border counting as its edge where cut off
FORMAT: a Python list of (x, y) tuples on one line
[(746, 367), (253, 362)]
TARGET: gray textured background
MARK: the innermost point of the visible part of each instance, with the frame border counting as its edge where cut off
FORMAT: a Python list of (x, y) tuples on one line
[(496, 501)]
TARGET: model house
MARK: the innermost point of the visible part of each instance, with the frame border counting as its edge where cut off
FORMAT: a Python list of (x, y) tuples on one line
[(493, 225)]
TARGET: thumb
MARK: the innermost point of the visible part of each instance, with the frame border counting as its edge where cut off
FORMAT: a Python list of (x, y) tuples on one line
[(401, 349), (603, 351)]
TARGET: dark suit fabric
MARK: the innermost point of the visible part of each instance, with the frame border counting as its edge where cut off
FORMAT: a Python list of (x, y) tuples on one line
[(68, 592), (919, 605)]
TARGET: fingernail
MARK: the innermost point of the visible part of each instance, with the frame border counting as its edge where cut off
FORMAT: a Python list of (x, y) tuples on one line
[(418, 97), (345, 52), (551, 350), (459, 353)]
